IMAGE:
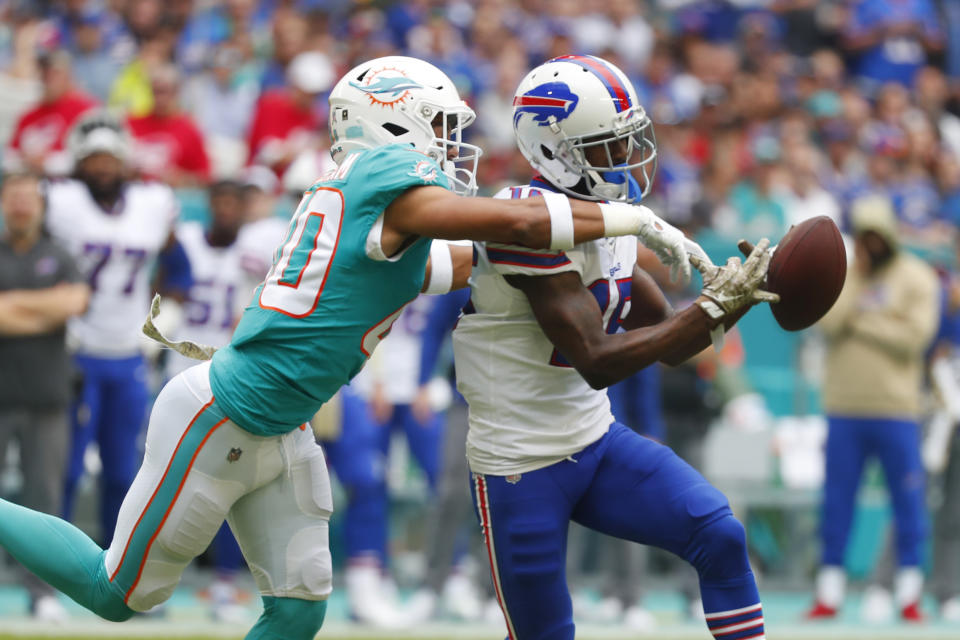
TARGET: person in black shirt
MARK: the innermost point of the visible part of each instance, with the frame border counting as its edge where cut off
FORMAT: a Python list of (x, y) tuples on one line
[(40, 288)]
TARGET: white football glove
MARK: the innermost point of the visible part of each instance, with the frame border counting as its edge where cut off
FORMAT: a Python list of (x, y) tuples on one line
[(665, 240), (668, 243), (734, 285)]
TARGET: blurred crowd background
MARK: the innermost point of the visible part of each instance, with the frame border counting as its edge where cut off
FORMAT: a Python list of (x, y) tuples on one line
[(766, 112)]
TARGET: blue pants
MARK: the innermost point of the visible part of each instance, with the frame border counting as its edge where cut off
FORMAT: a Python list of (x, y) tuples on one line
[(359, 458), (112, 410), (635, 402), (623, 485), (896, 443)]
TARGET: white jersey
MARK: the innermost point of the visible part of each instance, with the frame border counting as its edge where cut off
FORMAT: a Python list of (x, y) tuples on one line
[(217, 297), (115, 251), (257, 244), (529, 407), (395, 364)]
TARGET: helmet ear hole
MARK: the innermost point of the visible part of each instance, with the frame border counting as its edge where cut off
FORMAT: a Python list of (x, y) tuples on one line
[(395, 129), (547, 153)]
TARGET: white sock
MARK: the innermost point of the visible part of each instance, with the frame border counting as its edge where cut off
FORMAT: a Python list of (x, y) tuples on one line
[(831, 586)]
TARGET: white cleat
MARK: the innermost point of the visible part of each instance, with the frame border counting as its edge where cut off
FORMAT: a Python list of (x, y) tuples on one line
[(695, 610), (638, 619), (605, 611), (876, 606), (460, 598), (226, 604), (369, 603), (48, 609), (493, 614), (950, 610), (422, 606)]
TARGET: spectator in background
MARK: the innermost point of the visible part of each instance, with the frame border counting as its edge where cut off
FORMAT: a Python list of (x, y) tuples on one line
[(289, 38), (756, 202), (948, 181), (892, 39), (286, 120), (804, 197), (877, 335), (167, 144), (40, 288), (131, 91), (932, 92), (203, 32), (40, 134), (20, 84), (221, 101), (93, 65)]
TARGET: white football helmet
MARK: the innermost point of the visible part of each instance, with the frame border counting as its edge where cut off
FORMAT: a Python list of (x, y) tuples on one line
[(579, 123), (397, 99), (97, 131)]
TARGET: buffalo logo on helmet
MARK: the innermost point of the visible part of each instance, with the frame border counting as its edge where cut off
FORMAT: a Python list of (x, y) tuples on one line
[(543, 101), (386, 87)]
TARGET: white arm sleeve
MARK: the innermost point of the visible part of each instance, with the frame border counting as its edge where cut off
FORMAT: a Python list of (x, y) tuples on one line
[(441, 269)]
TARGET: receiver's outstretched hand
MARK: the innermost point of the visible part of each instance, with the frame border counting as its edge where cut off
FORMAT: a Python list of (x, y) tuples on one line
[(735, 284)]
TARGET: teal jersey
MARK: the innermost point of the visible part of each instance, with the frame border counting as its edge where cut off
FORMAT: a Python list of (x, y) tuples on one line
[(326, 303)]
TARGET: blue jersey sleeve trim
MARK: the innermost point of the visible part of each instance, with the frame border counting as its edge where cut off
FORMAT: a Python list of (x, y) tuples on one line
[(527, 259)]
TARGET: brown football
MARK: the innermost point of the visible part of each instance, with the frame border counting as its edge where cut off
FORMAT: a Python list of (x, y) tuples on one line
[(807, 270)]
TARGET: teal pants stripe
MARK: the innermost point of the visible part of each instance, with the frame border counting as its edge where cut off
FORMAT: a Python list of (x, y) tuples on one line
[(145, 531)]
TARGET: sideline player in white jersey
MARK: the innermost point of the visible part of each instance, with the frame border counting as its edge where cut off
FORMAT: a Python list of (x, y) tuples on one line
[(117, 229), (227, 438), (376, 404), (219, 292), (542, 335)]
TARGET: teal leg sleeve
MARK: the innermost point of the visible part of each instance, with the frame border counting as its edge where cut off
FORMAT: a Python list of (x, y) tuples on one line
[(288, 619), (63, 556)]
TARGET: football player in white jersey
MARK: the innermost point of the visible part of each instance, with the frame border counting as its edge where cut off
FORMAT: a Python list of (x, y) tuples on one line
[(117, 229), (219, 292), (546, 331)]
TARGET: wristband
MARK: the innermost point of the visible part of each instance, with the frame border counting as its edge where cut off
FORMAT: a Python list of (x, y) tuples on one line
[(561, 220), (711, 308), (441, 269), (622, 219)]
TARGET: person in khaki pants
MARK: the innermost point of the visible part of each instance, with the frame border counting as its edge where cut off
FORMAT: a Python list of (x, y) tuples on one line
[(39, 290), (877, 336)]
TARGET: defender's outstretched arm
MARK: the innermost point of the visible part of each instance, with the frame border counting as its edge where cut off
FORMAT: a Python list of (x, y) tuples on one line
[(552, 221)]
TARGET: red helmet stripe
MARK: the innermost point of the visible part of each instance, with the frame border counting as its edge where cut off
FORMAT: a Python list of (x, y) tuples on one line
[(618, 92)]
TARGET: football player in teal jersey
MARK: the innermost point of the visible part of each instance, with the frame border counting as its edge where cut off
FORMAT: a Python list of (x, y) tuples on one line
[(227, 439)]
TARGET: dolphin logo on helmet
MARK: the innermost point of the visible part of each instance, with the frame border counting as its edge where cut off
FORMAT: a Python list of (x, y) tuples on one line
[(393, 86)]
